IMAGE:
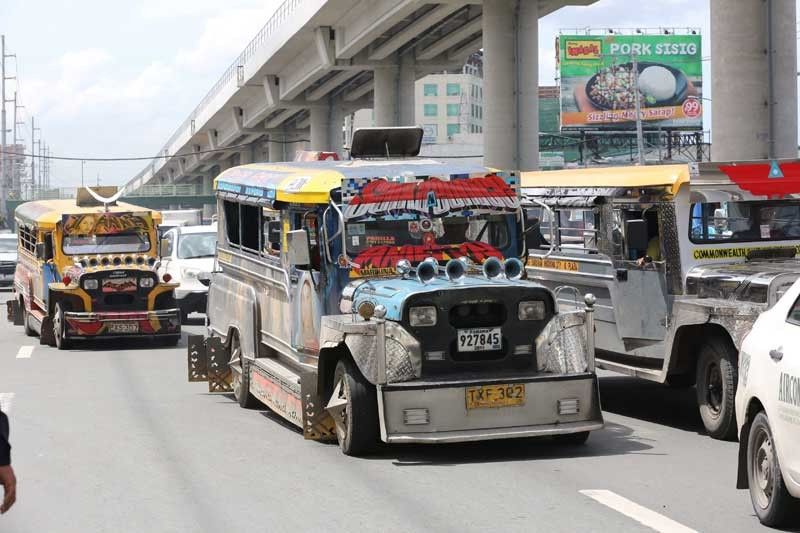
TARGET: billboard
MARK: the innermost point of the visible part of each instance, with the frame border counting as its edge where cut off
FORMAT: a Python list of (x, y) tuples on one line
[(598, 86)]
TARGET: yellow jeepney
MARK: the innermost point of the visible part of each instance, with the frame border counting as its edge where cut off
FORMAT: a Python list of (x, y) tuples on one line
[(86, 270)]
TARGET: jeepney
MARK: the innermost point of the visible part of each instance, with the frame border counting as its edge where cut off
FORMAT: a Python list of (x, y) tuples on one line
[(86, 271), (681, 258), (368, 300)]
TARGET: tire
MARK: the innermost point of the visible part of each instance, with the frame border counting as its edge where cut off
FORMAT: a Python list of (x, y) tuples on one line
[(772, 503), (59, 328), (573, 439), (240, 375), (354, 407), (716, 387), (29, 331)]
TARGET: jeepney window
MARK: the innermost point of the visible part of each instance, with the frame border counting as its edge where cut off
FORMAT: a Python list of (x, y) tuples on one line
[(106, 243), (720, 222), (231, 210), (27, 239), (250, 227)]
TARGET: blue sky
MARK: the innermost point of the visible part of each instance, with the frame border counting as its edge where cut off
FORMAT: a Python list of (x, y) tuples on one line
[(109, 78)]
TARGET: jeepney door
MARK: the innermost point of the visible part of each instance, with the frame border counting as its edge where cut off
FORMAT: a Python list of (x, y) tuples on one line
[(306, 286)]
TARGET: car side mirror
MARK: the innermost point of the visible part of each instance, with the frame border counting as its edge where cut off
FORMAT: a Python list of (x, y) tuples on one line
[(636, 235), (204, 278), (298, 248)]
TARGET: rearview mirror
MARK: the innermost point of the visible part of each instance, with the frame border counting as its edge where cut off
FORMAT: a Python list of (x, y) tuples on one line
[(636, 235), (298, 248)]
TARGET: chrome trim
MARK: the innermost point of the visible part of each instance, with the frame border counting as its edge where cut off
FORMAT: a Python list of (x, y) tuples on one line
[(493, 434), (282, 284)]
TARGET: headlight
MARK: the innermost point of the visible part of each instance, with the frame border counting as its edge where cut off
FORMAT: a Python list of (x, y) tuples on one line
[(189, 273), (146, 282), (422, 316), (531, 311), (90, 284)]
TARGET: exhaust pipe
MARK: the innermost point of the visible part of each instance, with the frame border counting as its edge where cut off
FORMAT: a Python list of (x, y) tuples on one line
[(513, 268), (492, 268), (455, 270), (426, 270)]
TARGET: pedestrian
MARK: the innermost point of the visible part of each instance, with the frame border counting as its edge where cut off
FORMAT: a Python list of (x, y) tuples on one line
[(7, 478)]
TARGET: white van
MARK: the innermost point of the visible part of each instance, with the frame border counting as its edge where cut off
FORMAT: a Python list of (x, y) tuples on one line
[(186, 251)]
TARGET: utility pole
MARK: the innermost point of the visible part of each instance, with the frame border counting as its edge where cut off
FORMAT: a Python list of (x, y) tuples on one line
[(3, 128), (34, 184), (637, 97)]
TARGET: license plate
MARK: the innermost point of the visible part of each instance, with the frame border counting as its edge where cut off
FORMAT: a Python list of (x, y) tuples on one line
[(479, 339), (555, 264), (123, 327), (495, 396)]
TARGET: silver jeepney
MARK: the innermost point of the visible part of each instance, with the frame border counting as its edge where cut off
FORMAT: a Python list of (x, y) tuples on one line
[(681, 258), (384, 300)]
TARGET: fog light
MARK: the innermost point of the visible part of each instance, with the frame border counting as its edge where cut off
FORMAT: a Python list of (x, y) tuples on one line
[(435, 356), (569, 406), (145, 282), (523, 349), (534, 310), (416, 417)]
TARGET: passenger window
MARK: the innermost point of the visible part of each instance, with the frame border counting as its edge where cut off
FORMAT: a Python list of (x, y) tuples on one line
[(794, 313), (250, 224), (232, 222)]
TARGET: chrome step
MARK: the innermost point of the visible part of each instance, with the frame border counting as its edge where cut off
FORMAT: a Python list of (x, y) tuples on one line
[(629, 370)]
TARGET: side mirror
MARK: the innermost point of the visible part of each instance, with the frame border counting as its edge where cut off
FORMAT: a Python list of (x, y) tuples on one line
[(298, 248), (204, 278), (636, 235), (274, 232)]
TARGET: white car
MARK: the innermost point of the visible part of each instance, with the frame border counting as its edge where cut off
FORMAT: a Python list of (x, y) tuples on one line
[(187, 251), (768, 412), (8, 258)]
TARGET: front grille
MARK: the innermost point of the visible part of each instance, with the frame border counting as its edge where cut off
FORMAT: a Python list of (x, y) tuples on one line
[(478, 315), (118, 299), (130, 297)]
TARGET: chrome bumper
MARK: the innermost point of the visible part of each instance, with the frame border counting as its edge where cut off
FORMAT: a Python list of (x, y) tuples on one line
[(93, 324), (449, 420)]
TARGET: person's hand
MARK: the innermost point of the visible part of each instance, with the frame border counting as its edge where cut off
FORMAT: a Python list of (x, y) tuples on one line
[(642, 261), (9, 482)]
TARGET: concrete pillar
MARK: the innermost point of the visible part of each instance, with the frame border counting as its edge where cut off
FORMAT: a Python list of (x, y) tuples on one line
[(740, 76), (406, 80), (208, 184), (511, 115), (246, 155), (385, 92), (275, 148), (321, 127), (336, 129)]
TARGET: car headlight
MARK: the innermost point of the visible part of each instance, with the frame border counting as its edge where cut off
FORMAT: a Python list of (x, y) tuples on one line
[(90, 285), (531, 310), (146, 283), (422, 316), (189, 273)]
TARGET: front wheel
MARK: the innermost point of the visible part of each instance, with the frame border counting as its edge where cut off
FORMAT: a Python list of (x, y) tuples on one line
[(353, 405), (716, 388), (772, 503), (240, 375), (59, 328)]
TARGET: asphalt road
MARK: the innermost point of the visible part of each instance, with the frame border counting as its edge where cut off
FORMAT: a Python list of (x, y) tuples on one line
[(113, 438)]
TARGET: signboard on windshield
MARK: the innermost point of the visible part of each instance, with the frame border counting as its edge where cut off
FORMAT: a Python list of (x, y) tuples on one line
[(598, 83)]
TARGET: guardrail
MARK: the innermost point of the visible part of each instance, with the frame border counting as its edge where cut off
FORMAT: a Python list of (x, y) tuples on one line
[(233, 73), (181, 189)]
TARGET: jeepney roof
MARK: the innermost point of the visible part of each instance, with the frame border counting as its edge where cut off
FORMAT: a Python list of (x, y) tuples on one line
[(630, 177), (47, 213), (311, 182)]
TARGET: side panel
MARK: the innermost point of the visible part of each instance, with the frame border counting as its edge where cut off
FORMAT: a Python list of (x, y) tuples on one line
[(232, 304)]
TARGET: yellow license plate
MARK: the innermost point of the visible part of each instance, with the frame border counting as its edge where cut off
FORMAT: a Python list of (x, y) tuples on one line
[(495, 396), (555, 264)]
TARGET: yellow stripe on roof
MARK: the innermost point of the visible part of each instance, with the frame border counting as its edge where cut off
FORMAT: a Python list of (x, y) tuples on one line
[(672, 176), (47, 213)]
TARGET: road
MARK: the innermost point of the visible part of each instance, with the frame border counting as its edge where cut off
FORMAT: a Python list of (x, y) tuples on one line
[(113, 438)]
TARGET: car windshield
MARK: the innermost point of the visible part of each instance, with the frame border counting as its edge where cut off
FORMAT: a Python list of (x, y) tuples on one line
[(115, 243), (415, 238), (8, 245), (718, 222), (195, 245)]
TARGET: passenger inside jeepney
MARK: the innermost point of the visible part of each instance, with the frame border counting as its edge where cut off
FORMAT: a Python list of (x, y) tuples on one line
[(653, 251)]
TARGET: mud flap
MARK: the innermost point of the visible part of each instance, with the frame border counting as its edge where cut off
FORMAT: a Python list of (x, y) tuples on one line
[(15, 315), (317, 422), (217, 369), (47, 336), (197, 361)]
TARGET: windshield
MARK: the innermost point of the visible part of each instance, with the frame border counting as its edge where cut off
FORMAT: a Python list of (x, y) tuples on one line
[(194, 245), (718, 222), (8, 245), (116, 243)]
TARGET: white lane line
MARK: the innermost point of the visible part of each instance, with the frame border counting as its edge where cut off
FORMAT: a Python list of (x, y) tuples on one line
[(643, 515), (5, 401), (25, 352)]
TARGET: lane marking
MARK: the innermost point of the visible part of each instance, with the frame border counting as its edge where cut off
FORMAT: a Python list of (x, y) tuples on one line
[(6, 398), (633, 510), (25, 352)]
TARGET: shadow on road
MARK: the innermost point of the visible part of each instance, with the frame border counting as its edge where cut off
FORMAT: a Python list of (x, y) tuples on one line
[(652, 402)]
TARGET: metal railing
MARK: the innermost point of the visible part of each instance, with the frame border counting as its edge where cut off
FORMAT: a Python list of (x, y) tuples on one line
[(232, 74), (180, 189)]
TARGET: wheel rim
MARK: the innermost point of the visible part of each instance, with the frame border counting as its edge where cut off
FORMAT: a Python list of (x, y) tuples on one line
[(338, 407), (235, 365), (714, 388), (762, 463)]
